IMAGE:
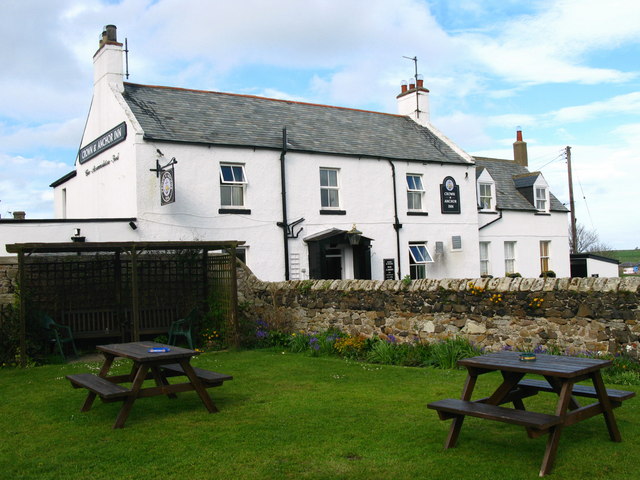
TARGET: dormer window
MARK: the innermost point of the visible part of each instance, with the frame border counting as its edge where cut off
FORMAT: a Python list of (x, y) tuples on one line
[(485, 190), (485, 196), (542, 199)]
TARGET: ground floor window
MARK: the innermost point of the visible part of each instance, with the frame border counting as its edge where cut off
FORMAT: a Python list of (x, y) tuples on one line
[(484, 258), (419, 256), (509, 257), (544, 256)]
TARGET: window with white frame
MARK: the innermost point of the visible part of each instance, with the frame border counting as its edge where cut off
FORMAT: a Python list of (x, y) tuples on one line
[(415, 192), (485, 196), (484, 258), (544, 255), (541, 199), (232, 185), (419, 256), (329, 189), (509, 257)]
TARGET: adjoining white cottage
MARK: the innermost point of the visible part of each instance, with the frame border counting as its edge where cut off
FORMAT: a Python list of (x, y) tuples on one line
[(522, 225), (314, 191)]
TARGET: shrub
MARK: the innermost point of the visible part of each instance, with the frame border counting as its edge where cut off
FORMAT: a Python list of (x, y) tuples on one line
[(350, 347), (446, 354)]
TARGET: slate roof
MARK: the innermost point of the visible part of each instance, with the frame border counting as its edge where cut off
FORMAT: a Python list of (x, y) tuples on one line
[(506, 173), (194, 116)]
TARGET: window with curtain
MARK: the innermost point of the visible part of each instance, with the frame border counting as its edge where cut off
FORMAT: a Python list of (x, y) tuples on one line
[(544, 256), (484, 258), (509, 257)]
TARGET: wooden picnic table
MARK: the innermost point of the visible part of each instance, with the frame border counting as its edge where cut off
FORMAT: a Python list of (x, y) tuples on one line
[(151, 361), (561, 373)]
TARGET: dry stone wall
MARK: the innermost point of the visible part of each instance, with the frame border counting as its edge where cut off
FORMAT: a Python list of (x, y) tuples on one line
[(8, 280), (579, 314)]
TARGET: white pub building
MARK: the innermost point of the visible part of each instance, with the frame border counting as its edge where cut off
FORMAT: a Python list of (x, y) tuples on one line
[(314, 191)]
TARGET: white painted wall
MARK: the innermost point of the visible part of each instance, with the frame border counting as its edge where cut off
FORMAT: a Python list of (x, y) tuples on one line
[(601, 268), (527, 229)]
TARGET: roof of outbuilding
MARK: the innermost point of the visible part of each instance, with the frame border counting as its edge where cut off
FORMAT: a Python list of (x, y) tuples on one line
[(194, 116), (505, 173)]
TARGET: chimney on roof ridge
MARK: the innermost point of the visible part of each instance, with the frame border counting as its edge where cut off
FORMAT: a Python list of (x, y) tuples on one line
[(19, 215), (108, 60), (413, 101), (109, 35), (520, 155)]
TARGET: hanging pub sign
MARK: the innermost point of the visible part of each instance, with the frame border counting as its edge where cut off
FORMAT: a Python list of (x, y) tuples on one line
[(449, 196), (103, 142), (167, 187)]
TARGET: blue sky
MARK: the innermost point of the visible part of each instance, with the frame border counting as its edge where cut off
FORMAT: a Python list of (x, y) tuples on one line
[(566, 71)]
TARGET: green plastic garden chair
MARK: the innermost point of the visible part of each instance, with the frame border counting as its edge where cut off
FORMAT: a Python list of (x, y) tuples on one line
[(60, 334), (183, 328)]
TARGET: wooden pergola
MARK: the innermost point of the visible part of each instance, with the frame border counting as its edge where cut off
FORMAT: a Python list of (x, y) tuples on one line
[(133, 250)]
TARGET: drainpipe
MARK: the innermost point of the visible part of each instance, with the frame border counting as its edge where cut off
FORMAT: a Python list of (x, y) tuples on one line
[(285, 238), (396, 225)]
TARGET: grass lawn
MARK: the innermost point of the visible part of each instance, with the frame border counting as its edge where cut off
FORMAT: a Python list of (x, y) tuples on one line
[(626, 255), (289, 416)]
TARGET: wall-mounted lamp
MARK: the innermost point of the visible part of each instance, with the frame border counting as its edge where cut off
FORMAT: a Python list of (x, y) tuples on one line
[(133, 225), (354, 235), (76, 236)]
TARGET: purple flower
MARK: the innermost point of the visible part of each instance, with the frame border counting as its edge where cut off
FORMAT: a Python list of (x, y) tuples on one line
[(262, 334), (391, 338), (313, 343)]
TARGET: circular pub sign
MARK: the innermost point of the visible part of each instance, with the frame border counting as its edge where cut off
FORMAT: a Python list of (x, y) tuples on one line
[(449, 196), (167, 187)]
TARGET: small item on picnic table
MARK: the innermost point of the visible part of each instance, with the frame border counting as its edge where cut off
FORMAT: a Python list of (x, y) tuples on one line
[(159, 349), (527, 357)]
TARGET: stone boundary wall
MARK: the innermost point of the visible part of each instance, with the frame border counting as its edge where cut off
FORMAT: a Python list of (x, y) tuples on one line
[(579, 314), (8, 280)]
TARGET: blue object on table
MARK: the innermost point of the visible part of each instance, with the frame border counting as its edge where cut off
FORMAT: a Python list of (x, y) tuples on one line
[(159, 350)]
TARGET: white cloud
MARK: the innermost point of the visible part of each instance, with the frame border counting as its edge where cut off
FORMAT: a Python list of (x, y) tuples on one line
[(621, 104), (25, 185), (554, 45), (26, 138)]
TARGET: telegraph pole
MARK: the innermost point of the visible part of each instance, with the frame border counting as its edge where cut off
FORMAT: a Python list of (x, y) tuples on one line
[(574, 235)]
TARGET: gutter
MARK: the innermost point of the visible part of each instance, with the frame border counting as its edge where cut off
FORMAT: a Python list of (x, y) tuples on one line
[(396, 225), (492, 221)]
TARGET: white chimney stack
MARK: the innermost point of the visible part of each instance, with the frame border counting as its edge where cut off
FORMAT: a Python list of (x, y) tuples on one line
[(414, 100), (107, 61)]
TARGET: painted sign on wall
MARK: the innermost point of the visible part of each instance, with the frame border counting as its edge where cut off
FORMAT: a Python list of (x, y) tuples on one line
[(103, 142)]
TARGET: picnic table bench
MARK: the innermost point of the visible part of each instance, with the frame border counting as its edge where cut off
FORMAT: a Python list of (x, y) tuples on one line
[(561, 376), (151, 361)]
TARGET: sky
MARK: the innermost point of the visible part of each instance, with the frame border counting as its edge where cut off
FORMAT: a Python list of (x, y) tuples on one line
[(566, 71)]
